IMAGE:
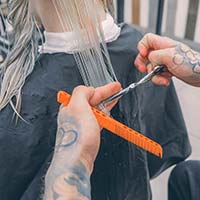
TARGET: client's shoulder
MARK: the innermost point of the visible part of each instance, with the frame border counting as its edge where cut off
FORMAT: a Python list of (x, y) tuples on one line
[(130, 30), (128, 39), (130, 33)]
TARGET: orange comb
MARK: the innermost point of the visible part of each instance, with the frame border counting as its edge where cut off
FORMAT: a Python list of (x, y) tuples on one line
[(118, 128)]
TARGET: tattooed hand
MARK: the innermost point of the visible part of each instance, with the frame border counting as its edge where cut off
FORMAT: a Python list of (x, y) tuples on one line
[(77, 144), (180, 60)]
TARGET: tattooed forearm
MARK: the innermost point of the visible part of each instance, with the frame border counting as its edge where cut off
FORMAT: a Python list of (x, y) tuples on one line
[(185, 55), (68, 177), (80, 179), (71, 184)]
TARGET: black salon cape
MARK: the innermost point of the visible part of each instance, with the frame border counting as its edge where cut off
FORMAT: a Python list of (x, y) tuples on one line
[(122, 170)]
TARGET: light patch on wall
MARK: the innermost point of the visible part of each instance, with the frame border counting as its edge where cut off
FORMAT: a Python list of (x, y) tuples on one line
[(164, 22), (197, 31), (181, 18), (144, 13), (128, 11)]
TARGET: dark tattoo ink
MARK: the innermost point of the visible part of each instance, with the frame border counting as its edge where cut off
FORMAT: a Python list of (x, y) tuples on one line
[(196, 68), (80, 179), (55, 195), (178, 59), (69, 137), (77, 179), (186, 55)]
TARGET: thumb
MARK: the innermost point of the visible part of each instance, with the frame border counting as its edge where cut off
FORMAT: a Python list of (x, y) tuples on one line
[(81, 97)]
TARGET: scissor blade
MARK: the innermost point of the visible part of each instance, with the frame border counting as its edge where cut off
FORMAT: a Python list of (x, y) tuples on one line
[(120, 94), (148, 77)]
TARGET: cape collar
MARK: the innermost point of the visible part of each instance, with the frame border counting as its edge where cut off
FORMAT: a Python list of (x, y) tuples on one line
[(62, 42)]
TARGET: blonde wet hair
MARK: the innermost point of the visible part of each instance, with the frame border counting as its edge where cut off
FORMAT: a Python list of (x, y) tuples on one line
[(93, 60), (109, 6), (20, 60)]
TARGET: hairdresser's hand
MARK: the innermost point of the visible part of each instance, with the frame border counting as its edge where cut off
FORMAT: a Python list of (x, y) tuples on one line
[(78, 116), (77, 145), (180, 60)]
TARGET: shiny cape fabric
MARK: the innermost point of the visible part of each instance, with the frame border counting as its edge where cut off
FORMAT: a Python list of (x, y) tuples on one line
[(122, 170)]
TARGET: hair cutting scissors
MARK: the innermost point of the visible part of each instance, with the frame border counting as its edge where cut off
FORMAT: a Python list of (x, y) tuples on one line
[(157, 70)]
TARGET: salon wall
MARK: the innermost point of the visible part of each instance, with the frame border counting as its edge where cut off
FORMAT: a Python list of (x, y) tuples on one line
[(181, 21), (181, 18), (189, 99)]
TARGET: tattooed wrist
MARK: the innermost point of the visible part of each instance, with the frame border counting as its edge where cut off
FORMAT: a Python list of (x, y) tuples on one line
[(187, 56), (68, 183), (67, 135), (68, 176)]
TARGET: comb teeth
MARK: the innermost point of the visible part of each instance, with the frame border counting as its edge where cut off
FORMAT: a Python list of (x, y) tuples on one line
[(128, 134), (119, 128)]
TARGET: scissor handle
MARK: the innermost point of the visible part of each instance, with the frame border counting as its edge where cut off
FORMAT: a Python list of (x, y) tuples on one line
[(159, 69)]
